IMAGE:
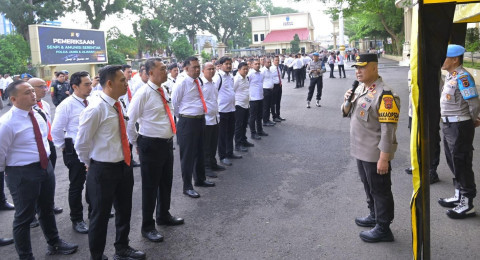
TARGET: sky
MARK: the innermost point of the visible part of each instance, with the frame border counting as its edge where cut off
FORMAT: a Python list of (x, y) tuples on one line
[(322, 23)]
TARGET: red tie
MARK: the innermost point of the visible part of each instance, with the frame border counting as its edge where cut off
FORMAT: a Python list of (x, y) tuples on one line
[(49, 137), (123, 135), (201, 96), (279, 78), (85, 102), (129, 93), (167, 109), (38, 138)]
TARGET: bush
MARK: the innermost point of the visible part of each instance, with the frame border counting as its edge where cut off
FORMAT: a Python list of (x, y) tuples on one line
[(14, 54)]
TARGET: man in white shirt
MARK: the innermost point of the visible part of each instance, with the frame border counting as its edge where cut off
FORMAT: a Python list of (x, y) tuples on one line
[(267, 92), (277, 90), (241, 86), (172, 77), (297, 66), (7, 81), (102, 145), (2, 87), (331, 62), (226, 108), (64, 133), (143, 80), (24, 152), (149, 107), (210, 94), (137, 79), (289, 68), (256, 101), (190, 108), (306, 60)]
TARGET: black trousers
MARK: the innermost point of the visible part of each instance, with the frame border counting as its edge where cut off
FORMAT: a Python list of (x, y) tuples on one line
[(304, 73), (267, 104), (332, 67), (298, 76), (241, 122), (282, 67), (107, 184), (53, 154), (156, 167), (2, 187), (340, 69), (190, 133), (315, 82), (378, 189), (255, 120), (226, 131), (458, 146), (3, 94), (290, 72), (210, 145), (77, 174), (277, 98), (32, 189)]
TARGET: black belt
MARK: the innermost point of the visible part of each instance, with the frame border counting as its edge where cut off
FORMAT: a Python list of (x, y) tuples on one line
[(92, 161), (166, 140), (31, 165), (189, 116)]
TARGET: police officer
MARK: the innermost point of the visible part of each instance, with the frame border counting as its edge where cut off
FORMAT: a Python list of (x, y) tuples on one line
[(374, 112), (316, 68), (459, 107)]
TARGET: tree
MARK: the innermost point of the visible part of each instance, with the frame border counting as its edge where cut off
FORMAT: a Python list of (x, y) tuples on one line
[(295, 44), (472, 41), (182, 48), (191, 19), (25, 12), (14, 54), (120, 43), (151, 35), (98, 10)]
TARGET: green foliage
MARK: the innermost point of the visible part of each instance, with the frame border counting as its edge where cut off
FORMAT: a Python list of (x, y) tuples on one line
[(182, 48), (115, 57), (295, 43), (472, 41), (151, 35), (98, 10), (205, 56), (121, 44), (14, 54), (22, 13), (281, 10)]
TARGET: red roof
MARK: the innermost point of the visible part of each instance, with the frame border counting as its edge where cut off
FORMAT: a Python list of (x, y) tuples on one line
[(286, 35)]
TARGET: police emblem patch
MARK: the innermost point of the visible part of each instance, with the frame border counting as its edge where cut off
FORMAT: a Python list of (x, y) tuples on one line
[(362, 113), (388, 101), (388, 111), (448, 96), (454, 73)]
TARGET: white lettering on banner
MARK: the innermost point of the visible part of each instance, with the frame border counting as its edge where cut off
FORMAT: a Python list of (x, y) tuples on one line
[(73, 41)]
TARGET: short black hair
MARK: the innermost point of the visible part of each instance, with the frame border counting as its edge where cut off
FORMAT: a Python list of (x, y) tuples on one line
[(76, 78), (58, 73), (172, 66), (189, 60), (224, 59), (242, 64), (108, 73), (126, 66), (12, 90), (150, 64)]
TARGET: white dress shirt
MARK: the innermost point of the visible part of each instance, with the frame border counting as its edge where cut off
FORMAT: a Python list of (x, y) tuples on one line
[(289, 61), (241, 86), (18, 146), (267, 78), (2, 85), (65, 123), (98, 136), (256, 85), (210, 93), (226, 94), (46, 109), (186, 98), (306, 60), (297, 63), (148, 109), (275, 74)]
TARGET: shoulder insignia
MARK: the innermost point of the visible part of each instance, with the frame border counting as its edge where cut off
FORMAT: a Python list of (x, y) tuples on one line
[(388, 111), (466, 85)]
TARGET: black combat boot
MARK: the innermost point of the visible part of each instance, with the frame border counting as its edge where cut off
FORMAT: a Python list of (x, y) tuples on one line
[(368, 221), (380, 233), (464, 209)]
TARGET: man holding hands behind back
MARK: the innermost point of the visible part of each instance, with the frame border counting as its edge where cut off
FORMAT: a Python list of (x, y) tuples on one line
[(374, 112)]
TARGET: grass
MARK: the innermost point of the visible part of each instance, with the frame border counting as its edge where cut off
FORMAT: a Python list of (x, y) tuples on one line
[(468, 64)]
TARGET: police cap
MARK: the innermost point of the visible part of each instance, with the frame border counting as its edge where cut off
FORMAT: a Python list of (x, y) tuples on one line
[(364, 59), (316, 54), (455, 50)]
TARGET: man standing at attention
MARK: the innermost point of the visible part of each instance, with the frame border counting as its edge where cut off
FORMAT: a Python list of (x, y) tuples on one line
[(374, 112), (102, 145)]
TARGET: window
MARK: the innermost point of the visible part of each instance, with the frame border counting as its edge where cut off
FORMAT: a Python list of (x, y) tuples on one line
[(262, 37), (255, 38)]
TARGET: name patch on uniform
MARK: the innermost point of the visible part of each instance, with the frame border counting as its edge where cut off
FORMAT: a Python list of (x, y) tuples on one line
[(388, 111)]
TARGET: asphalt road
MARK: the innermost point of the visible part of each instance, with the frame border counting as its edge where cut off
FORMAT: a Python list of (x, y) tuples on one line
[(293, 196)]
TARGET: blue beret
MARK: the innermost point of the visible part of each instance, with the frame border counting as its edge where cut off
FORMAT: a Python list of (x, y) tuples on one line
[(455, 51), (316, 54)]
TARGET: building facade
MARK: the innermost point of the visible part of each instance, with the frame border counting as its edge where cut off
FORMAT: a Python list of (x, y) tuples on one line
[(6, 26), (273, 33)]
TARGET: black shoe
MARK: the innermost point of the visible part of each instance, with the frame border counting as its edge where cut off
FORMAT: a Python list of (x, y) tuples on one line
[(34, 223), (408, 170), (129, 254), (152, 235), (464, 209), (6, 241), (170, 220), (262, 133), (135, 164), (268, 123), (255, 136), (368, 221), (191, 193), (377, 234), (57, 210), (283, 119), (217, 168), (241, 148), (318, 103), (205, 184), (248, 144), (226, 162), (80, 226), (235, 156), (62, 248), (277, 120), (434, 178), (112, 214), (450, 202), (210, 174), (7, 206)]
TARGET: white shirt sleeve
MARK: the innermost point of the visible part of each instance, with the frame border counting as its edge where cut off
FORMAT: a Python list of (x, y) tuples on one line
[(136, 107), (7, 139), (59, 124), (90, 120)]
